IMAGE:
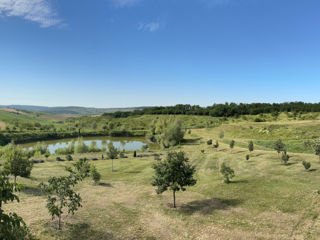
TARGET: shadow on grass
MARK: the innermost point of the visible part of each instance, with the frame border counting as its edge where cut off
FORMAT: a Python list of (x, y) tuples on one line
[(83, 230), (133, 172), (312, 170), (207, 206), (34, 191), (105, 184), (194, 141), (238, 181)]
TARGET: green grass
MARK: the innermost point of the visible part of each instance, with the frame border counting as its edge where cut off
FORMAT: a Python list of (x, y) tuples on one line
[(266, 199)]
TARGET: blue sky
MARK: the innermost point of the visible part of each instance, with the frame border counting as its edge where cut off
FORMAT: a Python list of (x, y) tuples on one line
[(119, 53)]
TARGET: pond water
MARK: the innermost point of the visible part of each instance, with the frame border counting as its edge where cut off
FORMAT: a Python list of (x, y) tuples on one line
[(128, 144)]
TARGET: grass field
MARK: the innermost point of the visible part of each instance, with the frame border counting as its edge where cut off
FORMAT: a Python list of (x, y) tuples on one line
[(266, 199)]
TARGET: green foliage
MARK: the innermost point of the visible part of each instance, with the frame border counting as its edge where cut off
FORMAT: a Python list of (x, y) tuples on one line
[(209, 142), (279, 146), (232, 143), (96, 176), (135, 154), (93, 147), (112, 151), (70, 149), (69, 157), (60, 190), (306, 164), (247, 157), (81, 147), (175, 173), (16, 161), (37, 154), (47, 154), (285, 157), (216, 145), (250, 146), (12, 227), (227, 172), (315, 145)]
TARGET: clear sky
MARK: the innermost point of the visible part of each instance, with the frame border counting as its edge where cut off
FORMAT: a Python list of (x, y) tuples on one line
[(119, 53)]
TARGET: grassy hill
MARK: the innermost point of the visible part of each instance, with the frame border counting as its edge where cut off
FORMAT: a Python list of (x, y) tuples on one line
[(266, 199)]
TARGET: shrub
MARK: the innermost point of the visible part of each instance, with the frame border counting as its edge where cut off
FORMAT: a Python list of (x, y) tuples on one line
[(232, 144), (59, 159), (96, 176), (216, 145), (306, 164), (285, 157), (69, 157), (227, 173), (247, 157), (209, 142), (135, 154)]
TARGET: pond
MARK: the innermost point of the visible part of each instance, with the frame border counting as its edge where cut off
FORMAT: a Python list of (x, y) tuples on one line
[(121, 143)]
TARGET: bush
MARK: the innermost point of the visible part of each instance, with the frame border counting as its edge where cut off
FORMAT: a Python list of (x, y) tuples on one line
[(227, 172), (59, 159), (96, 176), (285, 157), (69, 157), (216, 145), (209, 142), (135, 154), (247, 157), (306, 164)]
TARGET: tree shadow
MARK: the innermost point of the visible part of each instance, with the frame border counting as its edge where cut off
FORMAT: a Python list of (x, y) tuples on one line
[(34, 191), (105, 184), (81, 231), (238, 181), (312, 170), (194, 141), (207, 206), (133, 172)]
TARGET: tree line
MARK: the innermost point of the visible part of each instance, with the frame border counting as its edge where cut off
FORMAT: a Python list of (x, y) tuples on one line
[(223, 110)]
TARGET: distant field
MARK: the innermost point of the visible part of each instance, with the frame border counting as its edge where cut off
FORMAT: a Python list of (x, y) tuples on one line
[(58, 117), (2, 125), (12, 110)]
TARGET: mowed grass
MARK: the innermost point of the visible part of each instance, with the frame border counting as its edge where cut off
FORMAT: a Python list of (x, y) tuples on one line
[(266, 199)]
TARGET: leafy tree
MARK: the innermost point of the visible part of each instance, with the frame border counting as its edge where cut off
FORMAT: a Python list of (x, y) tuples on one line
[(315, 145), (285, 157), (250, 146), (96, 176), (60, 190), (172, 135), (174, 173), (12, 227), (216, 145), (279, 146), (232, 144), (17, 162), (209, 142), (227, 172), (112, 152), (306, 164)]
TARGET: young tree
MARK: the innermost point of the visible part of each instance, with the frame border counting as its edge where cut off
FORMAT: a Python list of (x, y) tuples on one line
[(232, 144), (60, 190), (96, 176), (112, 152), (209, 142), (11, 225), (216, 145), (315, 145), (17, 162), (227, 172), (279, 146), (306, 164), (175, 173), (250, 146), (285, 157)]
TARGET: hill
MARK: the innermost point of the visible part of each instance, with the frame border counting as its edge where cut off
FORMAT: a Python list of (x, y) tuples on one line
[(70, 109)]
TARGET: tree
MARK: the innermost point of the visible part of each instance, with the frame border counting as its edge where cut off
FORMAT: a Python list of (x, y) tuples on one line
[(227, 172), (96, 176), (12, 226), (279, 146), (315, 145), (112, 152), (216, 145), (174, 173), (250, 146), (17, 162), (232, 144), (60, 190), (172, 135), (306, 164), (285, 157)]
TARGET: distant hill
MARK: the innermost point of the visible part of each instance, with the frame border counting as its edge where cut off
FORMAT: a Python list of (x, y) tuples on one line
[(69, 110)]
